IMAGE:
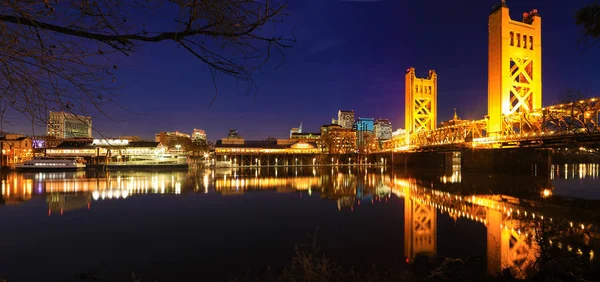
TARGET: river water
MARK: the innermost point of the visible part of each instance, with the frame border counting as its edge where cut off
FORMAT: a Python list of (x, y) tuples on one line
[(226, 223)]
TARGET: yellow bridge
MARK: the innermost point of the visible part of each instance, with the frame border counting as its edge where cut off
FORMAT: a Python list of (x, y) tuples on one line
[(515, 117)]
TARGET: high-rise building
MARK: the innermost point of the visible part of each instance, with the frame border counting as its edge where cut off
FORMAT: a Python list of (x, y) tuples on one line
[(198, 135), (296, 130), (345, 118), (63, 125), (383, 129), (364, 132)]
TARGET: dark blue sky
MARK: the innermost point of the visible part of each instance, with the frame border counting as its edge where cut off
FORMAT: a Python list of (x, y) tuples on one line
[(348, 55)]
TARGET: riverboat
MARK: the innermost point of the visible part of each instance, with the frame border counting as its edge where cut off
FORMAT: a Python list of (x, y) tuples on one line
[(46, 163)]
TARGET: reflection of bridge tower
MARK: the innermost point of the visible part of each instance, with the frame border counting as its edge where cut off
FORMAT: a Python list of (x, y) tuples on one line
[(514, 66), (507, 246), (419, 228), (420, 103)]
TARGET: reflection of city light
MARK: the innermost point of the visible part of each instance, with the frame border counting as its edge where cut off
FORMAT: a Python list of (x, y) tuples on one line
[(546, 193), (96, 195)]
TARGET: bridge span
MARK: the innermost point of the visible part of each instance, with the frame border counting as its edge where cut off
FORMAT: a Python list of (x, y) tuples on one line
[(516, 117)]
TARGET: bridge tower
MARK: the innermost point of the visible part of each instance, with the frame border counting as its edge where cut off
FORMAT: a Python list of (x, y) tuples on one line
[(514, 66), (420, 102), (419, 228)]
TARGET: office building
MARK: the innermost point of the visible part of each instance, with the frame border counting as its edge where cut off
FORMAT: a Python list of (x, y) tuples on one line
[(345, 118), (365, 136), (382, 129), (63, 125)]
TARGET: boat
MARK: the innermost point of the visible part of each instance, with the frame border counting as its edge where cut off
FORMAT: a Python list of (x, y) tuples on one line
[(46, 163)]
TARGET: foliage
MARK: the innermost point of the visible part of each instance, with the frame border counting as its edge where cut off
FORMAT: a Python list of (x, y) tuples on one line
[(589, 18), (62, 55)]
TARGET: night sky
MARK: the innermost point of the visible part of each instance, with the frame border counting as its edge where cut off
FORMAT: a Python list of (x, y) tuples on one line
[(349, 55)]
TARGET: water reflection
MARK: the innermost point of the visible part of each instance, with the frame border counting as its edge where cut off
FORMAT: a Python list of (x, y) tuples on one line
[(512, 210), (576, 180)]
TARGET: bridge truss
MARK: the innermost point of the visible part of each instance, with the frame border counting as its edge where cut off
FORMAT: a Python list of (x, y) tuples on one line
[(568, 123)]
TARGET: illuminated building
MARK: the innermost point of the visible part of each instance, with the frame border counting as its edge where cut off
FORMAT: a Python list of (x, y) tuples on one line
[(118, 152), (233, 134), (63, 125), (337, 140), (281, 152), (365, 135), (296, 130), (168, 137), (420, 102), (16, 148), (131, 138), (514, 66), (198, 135), (306, 136), (382, 129), (345, 118)]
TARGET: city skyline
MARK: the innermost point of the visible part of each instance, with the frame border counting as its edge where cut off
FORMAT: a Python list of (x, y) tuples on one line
[(321, 73)]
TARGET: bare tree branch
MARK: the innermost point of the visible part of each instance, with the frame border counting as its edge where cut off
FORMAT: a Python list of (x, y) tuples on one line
[(60, 55)]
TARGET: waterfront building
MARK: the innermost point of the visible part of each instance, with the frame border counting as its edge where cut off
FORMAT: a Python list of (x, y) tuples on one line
[(382, 129), (16, 148), (280, 152), (337, 140), (131, 138), (345, 118), (63, 125), (306, 136), (198, 135), (46, 141), (233, 134), (118, 152)]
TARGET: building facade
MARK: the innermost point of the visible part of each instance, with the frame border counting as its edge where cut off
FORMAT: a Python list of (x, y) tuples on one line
[(63, 125), (168, 137), (118, 152), (345, 118), (382, 129), (365, 135), (16, 148), (337, 140)]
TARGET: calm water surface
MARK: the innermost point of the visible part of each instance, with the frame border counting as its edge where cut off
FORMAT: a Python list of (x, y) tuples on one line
[(220, 224)]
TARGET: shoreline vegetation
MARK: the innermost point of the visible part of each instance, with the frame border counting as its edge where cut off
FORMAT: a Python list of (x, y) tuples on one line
[(309, 264)]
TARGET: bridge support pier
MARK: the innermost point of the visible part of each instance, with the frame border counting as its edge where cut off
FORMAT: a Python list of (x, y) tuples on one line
[(534, 160)]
